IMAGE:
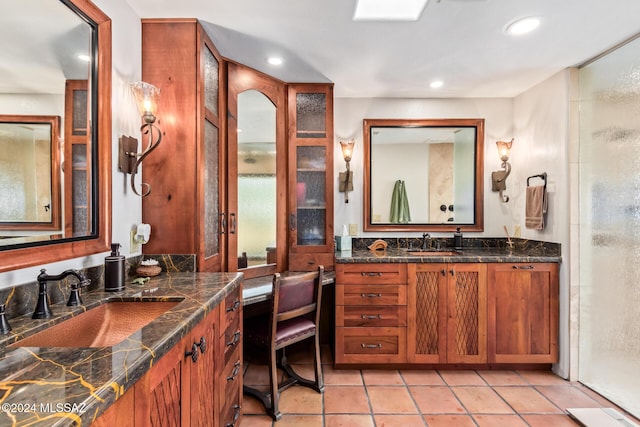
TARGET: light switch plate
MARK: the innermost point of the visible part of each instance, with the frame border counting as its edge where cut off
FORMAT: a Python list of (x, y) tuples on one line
[(353, 229), (135, 246)]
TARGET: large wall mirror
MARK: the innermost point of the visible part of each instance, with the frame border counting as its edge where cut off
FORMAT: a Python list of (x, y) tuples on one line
[(423, 175), (56, 62)]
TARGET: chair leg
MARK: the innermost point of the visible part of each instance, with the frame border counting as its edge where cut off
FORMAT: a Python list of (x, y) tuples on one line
[(273, 384), (294, 378)]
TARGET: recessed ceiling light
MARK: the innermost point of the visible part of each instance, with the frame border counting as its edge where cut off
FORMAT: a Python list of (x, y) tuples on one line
[(523, 26), (385, 10), (436, 84), (274, 60)]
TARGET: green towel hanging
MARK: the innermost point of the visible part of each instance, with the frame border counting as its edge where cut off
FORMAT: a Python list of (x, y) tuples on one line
[(400, 204)]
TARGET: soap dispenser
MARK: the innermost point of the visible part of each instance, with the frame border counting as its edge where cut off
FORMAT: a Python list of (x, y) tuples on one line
[(114, 270), (457, 239)]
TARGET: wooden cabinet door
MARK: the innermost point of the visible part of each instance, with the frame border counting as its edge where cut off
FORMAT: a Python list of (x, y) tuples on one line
[(162, 396), (523, 313), (427, 313), (202, 372), (467, 313), (310, 176)]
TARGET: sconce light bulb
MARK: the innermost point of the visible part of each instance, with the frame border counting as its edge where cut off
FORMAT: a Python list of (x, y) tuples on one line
[(347, 149)]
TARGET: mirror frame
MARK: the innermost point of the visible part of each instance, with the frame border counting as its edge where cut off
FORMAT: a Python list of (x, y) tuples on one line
[(478, 223), (99, 241), (54, 173)]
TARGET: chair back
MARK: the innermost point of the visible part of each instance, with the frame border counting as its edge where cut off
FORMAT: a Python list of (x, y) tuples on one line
[(297, 295)]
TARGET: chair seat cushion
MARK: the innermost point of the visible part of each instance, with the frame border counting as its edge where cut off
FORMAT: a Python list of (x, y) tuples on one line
[(256, 330)]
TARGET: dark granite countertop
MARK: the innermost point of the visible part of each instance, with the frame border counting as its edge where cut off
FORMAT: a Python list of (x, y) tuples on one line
[(72, 386), (474, 254)]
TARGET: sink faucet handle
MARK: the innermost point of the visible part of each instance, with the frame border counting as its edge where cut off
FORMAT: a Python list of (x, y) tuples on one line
[(5, 328), (74, 296)]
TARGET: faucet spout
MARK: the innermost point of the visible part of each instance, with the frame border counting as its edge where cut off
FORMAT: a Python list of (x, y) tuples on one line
[(426, 241), (43, 309)]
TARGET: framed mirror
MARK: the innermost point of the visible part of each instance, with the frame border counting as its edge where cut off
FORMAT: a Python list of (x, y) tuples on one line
[(29, 174), (56, 61), (423, 174)]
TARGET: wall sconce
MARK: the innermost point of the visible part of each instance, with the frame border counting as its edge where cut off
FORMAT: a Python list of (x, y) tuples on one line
[(346, 178), (147, 96), (499, 178)]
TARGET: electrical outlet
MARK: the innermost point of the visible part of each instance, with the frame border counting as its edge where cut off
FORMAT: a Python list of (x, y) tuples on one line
[(353, 229), (517, 231), (135, 246)]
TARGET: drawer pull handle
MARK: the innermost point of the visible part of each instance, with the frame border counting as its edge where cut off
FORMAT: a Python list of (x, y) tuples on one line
[(234, 307), (523, 267), (371, 274), (371, 295), (234, 373), (236, 415), (371, 345), (234, 341), (371, 317)]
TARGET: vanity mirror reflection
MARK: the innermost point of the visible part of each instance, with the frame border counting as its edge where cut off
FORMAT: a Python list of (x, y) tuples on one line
[(423, 174), (56, 61)]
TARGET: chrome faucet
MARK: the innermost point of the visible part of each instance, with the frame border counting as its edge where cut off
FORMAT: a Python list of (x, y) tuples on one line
[(426, 241), (43, 311)]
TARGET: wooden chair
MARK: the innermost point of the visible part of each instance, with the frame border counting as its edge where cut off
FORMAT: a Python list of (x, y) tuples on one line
[(294, 317)]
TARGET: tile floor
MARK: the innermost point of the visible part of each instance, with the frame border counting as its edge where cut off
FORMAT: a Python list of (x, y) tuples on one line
[(407, 398)]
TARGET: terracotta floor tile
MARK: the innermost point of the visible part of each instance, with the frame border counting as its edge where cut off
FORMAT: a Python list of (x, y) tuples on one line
[(542, 378), (342, 376), (420, 377), (481, 400), (391, 400), (256, 420), (547, 421), (567, 396), (251, 405), (399, 421), (436, 400), (526, 400), (502, 378), (346, 400), (300, 400), (256, 375), (449, 421), (499, 421), (454, 378), (382, 377), (304, 370), (299, 421), (347, 421)]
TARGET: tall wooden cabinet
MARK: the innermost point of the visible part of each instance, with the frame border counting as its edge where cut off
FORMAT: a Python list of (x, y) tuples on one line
[(186, 171), (310, 176)]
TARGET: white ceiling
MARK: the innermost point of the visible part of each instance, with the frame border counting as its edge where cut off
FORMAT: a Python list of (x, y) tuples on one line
[(461, 42)]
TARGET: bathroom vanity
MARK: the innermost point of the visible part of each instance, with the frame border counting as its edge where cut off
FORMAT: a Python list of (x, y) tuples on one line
[(478, 307), (183, 365)]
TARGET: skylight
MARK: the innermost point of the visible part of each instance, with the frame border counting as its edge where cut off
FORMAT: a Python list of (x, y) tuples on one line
[(389, 10)]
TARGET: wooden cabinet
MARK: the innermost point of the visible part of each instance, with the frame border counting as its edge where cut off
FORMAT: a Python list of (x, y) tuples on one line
[(229, 377), (179, 389), (186, 171), (447, 313), (310, 176), (371, 313), (523, 313)]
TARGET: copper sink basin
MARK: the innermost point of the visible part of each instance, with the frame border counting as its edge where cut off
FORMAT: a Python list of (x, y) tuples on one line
[(103, 326), (434, 253)]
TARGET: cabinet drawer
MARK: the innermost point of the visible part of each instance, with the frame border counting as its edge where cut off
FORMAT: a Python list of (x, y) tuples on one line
[(230, 309), (371, 273), (311, 262), (371, 345), (371, 295), (232, 413), (232, 340), (230, 382), (371, 316)]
